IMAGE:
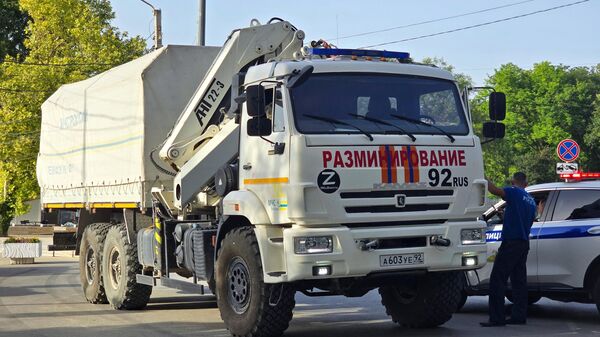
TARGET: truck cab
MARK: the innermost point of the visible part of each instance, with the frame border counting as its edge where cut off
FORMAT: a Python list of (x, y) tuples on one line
[(360, 152)]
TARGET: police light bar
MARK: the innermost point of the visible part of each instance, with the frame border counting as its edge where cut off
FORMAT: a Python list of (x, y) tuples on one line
[(580, 175), (359, 53)]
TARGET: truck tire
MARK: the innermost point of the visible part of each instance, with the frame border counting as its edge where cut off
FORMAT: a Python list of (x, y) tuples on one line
[(462, 301), (248, 306), (90, 262), (423, 301), (119, 269)]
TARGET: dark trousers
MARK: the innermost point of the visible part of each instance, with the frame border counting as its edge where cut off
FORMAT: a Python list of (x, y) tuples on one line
[(511, 261)]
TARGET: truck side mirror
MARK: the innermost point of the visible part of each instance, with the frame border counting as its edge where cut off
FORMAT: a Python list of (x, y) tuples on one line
[(255, 100), (259, 126), (497, 106), (493, 130)]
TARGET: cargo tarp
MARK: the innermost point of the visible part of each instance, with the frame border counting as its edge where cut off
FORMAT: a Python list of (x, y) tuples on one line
[(97, 134)]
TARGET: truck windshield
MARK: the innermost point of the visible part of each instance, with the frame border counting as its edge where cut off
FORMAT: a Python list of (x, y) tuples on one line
[(364, 99)]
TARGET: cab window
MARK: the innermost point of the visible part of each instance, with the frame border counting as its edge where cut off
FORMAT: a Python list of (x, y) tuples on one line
[(577, 204), (496, 217)]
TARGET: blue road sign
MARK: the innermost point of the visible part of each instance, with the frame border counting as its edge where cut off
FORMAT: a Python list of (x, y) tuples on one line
[(567, 150)]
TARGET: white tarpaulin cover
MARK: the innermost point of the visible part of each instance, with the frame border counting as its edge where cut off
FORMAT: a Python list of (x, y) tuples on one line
[(97, 134)]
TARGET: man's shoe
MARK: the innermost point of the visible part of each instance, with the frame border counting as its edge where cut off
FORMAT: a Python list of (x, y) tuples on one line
[(489, 324), (516, 322)]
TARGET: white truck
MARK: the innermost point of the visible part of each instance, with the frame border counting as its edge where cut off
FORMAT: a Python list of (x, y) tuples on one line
[(325, 171)]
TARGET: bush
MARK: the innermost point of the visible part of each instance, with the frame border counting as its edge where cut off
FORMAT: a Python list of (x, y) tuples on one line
[(14, 239)]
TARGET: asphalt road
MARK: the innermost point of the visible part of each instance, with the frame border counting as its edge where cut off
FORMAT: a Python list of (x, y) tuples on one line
[(44, 299)]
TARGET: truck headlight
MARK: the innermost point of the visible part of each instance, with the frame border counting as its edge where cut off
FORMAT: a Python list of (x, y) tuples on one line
[(472, 236), (313, 244)]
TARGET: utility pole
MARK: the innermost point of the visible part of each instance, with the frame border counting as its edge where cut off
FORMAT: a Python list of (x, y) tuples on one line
[(157, 25), (201, 22)]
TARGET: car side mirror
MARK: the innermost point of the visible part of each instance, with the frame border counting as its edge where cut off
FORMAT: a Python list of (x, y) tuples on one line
[(494, 130), (255, 100), (259, 126), (497, 103)]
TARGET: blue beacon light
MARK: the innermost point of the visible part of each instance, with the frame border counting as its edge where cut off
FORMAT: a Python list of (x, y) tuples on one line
[(359, 53)]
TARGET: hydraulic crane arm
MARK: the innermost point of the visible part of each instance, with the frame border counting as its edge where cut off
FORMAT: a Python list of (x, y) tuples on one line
[(244, 47)]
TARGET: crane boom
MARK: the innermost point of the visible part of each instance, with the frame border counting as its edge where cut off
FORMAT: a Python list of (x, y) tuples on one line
[(244, 47)]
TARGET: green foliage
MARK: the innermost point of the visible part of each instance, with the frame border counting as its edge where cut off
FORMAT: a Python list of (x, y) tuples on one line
[(14, 239), (544, 105), (12, 30), (463, 80), (61, 32)]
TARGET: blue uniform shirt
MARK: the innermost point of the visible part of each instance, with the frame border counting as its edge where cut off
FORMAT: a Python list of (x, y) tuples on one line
[(518, 215)]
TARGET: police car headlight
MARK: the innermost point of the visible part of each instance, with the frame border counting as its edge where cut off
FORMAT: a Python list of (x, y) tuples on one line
[(313, 244), (472, 236)]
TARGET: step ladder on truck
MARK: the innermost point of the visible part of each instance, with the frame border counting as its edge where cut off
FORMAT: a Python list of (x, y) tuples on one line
[(320, 170)]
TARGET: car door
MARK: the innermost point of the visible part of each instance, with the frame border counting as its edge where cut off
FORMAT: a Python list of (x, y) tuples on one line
[(570, 239), (494, 221)]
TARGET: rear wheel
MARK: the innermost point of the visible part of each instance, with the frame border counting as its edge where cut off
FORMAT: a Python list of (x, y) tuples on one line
[(119, 269), (532, 298), (248, 306), (596, 294), (90, 260), (423, 301)]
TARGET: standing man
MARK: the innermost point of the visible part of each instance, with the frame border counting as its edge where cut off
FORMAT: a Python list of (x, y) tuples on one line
[(511, 259)]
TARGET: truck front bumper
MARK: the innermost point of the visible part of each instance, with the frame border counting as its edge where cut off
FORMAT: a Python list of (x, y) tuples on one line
[(348, 259)]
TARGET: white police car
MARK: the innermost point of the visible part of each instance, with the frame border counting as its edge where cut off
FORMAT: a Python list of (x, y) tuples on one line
[(564, 257)]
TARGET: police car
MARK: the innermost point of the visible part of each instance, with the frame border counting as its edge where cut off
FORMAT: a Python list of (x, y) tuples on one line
[(564, 258)]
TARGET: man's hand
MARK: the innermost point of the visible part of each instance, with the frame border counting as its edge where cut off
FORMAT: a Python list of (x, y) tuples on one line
[(495, 190)]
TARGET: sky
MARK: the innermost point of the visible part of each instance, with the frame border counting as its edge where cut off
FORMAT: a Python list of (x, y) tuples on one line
[(569, 36)]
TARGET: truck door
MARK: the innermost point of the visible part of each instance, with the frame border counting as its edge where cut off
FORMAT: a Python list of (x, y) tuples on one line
[(264, 161), (567, 243)]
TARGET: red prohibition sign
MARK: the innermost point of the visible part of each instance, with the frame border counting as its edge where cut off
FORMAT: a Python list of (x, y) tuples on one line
[(567, 150)]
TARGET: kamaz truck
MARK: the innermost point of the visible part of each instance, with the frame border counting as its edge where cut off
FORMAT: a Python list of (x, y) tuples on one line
[(265, 168)]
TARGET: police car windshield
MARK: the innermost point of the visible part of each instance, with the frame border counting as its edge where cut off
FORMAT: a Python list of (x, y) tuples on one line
[(348, 97)]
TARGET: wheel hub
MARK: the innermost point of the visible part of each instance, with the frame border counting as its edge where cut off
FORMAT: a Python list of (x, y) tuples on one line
[(238, 285), (90, 263), (115, 267)]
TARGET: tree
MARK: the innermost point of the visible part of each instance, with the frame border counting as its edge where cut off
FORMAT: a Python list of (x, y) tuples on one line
[(72, 32), (12, 30), (544, 105)]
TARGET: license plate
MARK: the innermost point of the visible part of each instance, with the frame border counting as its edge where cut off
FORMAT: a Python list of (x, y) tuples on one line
[(401, 259)]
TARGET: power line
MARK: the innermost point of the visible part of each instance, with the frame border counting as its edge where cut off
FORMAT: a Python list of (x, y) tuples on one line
[(431, 21), (477, 25)]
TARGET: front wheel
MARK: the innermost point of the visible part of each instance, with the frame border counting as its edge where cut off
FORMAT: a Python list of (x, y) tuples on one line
[(423, 301), (248, 306), (596, 294), (119, 268)]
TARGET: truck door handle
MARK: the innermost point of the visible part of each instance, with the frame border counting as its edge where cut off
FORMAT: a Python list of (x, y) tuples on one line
[(594, 230), (247, 166)]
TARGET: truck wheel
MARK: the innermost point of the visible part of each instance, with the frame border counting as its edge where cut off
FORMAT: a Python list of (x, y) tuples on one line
[(423, 302), (90, 259), (462, 301), (248, 306), (119, 268)]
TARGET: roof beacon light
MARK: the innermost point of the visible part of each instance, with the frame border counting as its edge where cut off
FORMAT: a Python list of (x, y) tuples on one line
[(358, 53), (580, 175)]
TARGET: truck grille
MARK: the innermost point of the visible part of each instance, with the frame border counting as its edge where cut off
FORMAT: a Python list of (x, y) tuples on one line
[(392, 193), (394, 209)]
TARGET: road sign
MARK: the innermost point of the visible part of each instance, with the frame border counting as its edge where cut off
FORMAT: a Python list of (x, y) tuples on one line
[(564, 168), (567, 150)]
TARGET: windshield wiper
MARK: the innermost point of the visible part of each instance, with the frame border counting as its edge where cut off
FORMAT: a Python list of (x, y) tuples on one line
[(416, 121), (335, 121), (377, 121)]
